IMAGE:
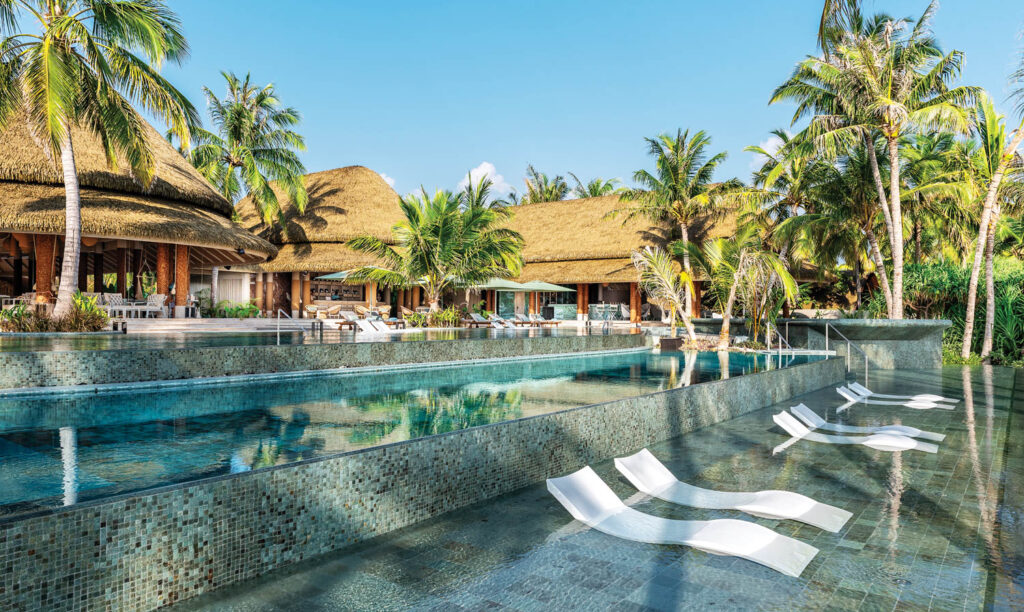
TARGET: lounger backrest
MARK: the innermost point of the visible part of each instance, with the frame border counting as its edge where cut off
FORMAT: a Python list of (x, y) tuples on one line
[(585, 496), (808, 416), (848, 394), (645, 471), (379, 325), (476, 317), (366, 326), (792, 426), (859, 388)]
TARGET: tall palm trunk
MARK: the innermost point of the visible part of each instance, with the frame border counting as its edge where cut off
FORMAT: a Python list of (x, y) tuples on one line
[(214, 273), (723, 335), (883, 278), (897, 228), (979, 249), (917, 240), (990, 286), (685, 233), (876, 174), (72, 230)]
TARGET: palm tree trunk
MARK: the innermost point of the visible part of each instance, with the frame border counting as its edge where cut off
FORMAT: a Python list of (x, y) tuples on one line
[(859, 281), (917, 240), (723, 336), (883, 278), (72, 230), (214, 273), (690, 331), (877, 175), (685, 233), (897, 228), (990, 286), (979, 249)]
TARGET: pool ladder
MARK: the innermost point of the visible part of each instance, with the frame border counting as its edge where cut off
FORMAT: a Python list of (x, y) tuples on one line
[(849, 345), (292, 323)]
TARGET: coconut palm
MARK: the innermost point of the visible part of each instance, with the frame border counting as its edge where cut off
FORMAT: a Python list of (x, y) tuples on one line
[(541, 188), (888, 83), (665, 285), (596, 188), (84, 63), (752, 272), (478, 195), (996, 171), (681, 188), (441, 245), (252, 144)]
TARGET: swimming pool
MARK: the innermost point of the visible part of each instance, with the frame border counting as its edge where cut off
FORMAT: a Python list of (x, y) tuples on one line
[(929, 531), (61, 449), (117, 341)]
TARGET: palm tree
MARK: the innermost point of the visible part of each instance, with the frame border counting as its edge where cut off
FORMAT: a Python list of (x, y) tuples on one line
[(83, 64), (997, 159), (886, 84), (540, 188), (680, 190), (441, 245), (665, 285), (751, 271), (596, 188), (478, 195), (253, 145)]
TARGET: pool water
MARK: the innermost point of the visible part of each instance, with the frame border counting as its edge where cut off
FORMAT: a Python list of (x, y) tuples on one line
[(61, 449), (929, 531), (115, 341)]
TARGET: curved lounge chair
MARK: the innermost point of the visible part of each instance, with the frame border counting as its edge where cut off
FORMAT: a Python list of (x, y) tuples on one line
[(915, 404), (652, 477), (863, 391), (589, 500), (880, 441), (814, 421)]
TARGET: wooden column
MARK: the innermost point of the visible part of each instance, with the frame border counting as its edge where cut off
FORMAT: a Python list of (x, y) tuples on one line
[(695, 298), (634, 303), (579, 300), (415, 297), (163, 270), (16, 264), (181, 279), (371, 294), (83, 272), (122, 271), (259, 291), (401, 301), (268, 301), (44, 268), (97, 272), (137, 273), (307, 293), (586, 300), (296, 294)]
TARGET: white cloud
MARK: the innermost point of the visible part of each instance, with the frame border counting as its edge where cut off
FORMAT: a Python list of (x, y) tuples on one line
[(499, 187), (771, 145), (387, 179)]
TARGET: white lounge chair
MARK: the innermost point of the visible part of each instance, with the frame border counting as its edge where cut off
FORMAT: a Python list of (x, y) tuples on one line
[(814, 421), (500, 321), (880, 441), (652, 477), (915, 404), (476, 318), (367, 326), (589, 500), (863, 391)]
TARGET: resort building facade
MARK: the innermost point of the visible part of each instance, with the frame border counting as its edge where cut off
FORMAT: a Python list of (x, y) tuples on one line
[(170, 228)]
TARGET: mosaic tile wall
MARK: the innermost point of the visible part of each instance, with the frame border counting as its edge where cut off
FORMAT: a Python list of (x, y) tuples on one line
[(904, 354), (147, 551), (67, 368)]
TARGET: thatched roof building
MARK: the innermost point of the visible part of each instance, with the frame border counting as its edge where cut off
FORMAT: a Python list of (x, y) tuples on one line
[(581, 241), (179, 207), (343, 203)]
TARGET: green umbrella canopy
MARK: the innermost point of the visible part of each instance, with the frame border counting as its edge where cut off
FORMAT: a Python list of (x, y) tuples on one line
[(334, 276), (542, 286), (500, 284)]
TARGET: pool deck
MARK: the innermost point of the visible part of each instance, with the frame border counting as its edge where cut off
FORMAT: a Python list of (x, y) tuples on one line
[(929, 532)]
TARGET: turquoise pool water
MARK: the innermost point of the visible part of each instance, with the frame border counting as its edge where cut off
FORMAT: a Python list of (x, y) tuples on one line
[(115, 341), (937, 531), (61, 449)]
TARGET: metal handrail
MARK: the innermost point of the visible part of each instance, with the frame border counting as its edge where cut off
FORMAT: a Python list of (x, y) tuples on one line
[(849, 344), (294, 323)]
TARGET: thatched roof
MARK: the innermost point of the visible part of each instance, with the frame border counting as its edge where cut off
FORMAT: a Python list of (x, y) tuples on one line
[(579, 241), (39, 209), (343, 203), (25, 160)]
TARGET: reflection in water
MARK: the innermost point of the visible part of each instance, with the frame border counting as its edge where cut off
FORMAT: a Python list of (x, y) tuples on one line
[(69, 460), (984, 488)]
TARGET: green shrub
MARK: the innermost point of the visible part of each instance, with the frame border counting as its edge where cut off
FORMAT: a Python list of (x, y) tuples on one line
[(449, 317), (232, 310), (85, 316), (416, 319)]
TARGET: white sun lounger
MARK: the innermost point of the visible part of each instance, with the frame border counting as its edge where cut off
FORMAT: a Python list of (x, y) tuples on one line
[(879, 441), (814, 421), (915, 404), (863, 391), (652, 477), (589, 500)]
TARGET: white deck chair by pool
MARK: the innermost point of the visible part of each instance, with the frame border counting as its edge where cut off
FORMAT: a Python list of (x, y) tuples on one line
[(879, 441), (589, 500), (367, 326), (863, 391), (814, 421), (652, 477), (915, 404)]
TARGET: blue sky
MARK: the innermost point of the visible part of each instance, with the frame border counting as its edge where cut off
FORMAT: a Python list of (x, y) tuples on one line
[(423, 92)]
